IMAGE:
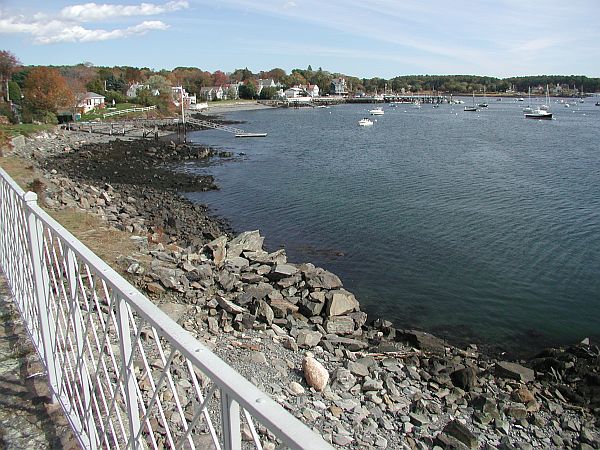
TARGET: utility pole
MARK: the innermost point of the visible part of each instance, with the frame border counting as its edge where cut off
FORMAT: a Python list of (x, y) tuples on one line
[(183, 116)]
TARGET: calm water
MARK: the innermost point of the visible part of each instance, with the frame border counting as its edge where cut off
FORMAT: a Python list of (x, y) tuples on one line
[(480, 226)]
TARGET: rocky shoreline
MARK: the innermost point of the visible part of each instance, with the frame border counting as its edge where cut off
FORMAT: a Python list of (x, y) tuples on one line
[(295, 332)]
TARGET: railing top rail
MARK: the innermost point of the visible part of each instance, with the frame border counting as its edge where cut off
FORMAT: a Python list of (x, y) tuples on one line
[(279, 421)]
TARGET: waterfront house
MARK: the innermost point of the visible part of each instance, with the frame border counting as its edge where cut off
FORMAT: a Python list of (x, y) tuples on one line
[(179, 92), (338, 86), (294, 92), (312, 90), (89, 101), (210, 93), (231, 91)]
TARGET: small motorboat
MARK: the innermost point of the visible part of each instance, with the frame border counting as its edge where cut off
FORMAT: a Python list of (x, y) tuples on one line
[(470, 108), (597, 103), (377, 112), (365, 122), (539, 114)]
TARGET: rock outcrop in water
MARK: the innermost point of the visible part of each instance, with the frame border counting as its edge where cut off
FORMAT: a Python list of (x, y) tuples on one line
[(364, 385)]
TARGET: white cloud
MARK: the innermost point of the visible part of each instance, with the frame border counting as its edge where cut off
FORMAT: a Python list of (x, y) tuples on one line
[(79, 34), (290, 4), (67, 25), (90, 12)]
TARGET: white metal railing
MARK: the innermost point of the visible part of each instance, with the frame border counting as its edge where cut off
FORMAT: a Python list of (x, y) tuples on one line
[(125, 374), (129, 110)]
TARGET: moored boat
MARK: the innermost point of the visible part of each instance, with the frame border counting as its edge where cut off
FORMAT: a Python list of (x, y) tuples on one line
[(539, 113), (365, 122), (377, 112)]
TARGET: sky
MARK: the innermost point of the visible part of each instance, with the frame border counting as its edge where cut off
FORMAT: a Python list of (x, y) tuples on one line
[(366, 38)]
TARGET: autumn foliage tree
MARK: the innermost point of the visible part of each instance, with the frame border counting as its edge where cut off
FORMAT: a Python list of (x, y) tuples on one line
[(8, 63), (46, 91)]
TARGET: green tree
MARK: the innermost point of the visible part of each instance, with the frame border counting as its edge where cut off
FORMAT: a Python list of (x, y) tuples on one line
[(15, 92), (247, 90), (268, 93), (8, 63)]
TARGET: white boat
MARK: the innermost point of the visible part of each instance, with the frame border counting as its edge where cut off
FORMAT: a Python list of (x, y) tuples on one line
[(377, 112), (528, 109), (471, 108), (567, 105), (484, 104), (539, 113), (247, 135), (365, 122)]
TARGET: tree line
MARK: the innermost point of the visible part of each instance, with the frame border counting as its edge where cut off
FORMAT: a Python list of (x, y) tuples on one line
[(41, 92)]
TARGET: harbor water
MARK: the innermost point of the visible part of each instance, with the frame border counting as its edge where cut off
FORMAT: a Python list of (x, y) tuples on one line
[(479, 226)]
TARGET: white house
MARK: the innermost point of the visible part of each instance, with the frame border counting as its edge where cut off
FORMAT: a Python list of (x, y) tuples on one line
[(132, 90), (294, 92), (179, 92), (211, 93), (312, 90), (338, 86), (90, 101)]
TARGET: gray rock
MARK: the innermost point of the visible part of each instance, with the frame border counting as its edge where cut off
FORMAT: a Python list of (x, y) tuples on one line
[(308, 338), (419, 419), (350, 344), (218, 249), (265, 312), (339, 325), (425, 341), (466, 378), (357, 368), (341, 302), (281, 271), (229, 306), (459, 431), (250, 241), (322, 279), (343, 379), (515, 371)]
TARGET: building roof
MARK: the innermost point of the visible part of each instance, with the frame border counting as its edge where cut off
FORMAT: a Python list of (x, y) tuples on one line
[(93, 95)]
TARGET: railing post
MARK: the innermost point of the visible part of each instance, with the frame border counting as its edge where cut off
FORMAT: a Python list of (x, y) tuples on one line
[(47, 332), (230, 419), (128, 375)]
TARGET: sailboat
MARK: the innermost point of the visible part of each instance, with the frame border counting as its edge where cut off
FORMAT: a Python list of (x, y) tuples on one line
[(484, 104), (540, 112), (471, 108), (528, 109)]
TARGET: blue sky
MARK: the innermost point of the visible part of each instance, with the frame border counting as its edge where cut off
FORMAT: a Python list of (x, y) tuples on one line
[(363, 38)]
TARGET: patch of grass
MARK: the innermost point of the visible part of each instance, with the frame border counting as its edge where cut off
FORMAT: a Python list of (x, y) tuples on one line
[(106, 243), (20, 170), (99, 113), (25, 129)]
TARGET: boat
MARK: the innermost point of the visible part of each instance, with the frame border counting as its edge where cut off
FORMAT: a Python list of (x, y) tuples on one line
[(528, 109), (484, 104), (471, 108), (245, 135), (597, 103), (539, 113), (377, 112), (365, 122)]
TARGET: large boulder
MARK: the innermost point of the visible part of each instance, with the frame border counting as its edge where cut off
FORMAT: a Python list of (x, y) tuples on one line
[(218, 250), (341, 302), (515, 371), (322, 279), (315, 374), (424, 341), (308, 338), (250, 241), (339, 325)]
